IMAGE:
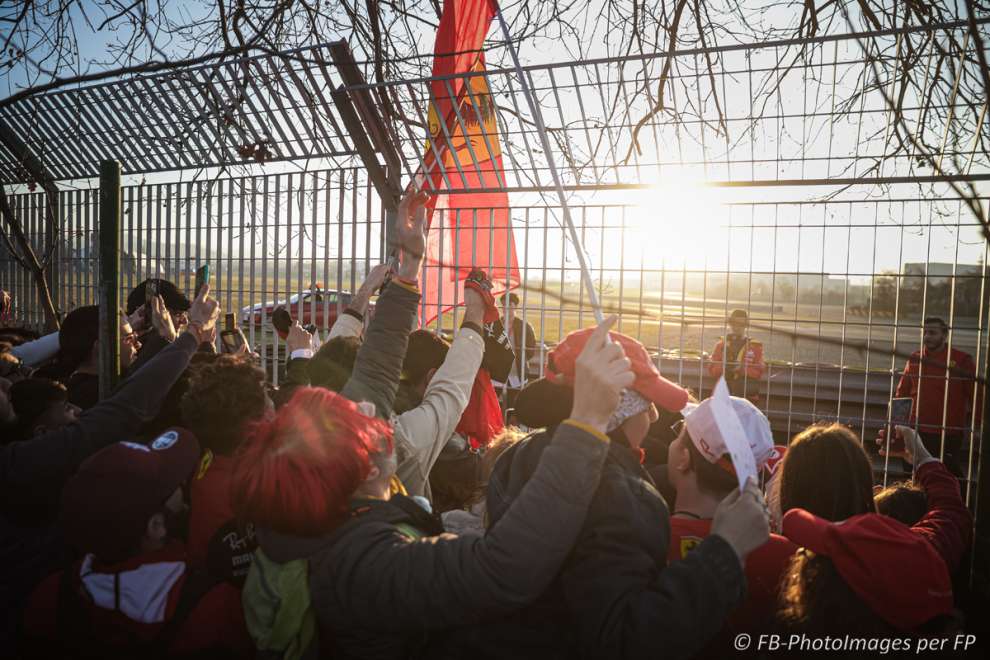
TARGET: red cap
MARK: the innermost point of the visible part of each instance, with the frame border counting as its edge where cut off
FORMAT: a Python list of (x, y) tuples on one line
[(107, 503), (649, 382), (896, 572)]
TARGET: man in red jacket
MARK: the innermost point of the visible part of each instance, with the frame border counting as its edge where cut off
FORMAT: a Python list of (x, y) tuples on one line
[(133, 590), (739, 358), (941, 384)]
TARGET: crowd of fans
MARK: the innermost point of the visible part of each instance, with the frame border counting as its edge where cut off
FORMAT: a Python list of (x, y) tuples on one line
[(375, 505)]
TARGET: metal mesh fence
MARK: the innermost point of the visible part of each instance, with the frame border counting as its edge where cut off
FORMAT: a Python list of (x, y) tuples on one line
[(299, 240), (836, 280)]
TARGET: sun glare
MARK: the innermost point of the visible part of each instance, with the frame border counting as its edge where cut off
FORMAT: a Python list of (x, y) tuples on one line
[(679, 222)]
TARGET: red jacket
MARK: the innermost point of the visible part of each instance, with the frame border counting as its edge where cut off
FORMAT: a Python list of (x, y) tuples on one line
[(948, 525), (765, 567), (148, 589), (926, 384), (217, 542), (747, 361)]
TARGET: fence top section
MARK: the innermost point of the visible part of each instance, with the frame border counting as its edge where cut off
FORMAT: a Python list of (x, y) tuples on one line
[(794, 112), (251, 110)]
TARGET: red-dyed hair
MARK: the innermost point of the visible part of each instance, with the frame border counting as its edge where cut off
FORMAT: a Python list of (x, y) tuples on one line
[(295, 473)]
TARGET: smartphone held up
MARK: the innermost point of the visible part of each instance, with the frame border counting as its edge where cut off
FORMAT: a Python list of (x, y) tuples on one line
[(202, 278), (231, 338)]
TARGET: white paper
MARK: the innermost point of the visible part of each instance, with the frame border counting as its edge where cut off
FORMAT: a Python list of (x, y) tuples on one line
[(731, 430)]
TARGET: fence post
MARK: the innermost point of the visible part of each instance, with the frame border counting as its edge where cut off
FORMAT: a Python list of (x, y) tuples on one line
[(110, 214), (981, 534)]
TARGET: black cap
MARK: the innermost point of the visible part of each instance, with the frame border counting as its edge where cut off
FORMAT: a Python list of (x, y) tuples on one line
[(543, 403), (174, 299)]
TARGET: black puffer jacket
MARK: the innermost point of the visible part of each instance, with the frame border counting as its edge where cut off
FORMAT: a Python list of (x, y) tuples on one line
[(620, 598)]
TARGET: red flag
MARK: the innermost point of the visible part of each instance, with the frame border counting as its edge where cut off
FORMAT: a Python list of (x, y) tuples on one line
[(472, 229)]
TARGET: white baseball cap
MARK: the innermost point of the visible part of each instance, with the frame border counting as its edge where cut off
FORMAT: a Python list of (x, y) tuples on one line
[(706, 435)]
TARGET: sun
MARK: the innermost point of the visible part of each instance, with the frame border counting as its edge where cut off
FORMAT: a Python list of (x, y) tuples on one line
[(679, 223)]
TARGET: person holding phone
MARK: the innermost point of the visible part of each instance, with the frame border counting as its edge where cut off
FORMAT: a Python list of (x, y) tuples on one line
[(948, 524), (940, 381), (33, 473), (156, 324)]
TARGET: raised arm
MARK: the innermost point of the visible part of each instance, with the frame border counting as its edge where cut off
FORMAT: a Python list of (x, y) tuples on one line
[(350, 322), (948, 524), (378, 365), (54, 456), (36, 352), (428, 426)]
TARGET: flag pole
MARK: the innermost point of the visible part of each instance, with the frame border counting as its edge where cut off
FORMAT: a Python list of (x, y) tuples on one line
[(534, 108)]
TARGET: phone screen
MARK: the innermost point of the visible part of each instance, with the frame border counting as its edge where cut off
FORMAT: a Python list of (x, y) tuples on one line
[(900, 415), (232, 340), (229, 323), (900, 410), (202, 278)]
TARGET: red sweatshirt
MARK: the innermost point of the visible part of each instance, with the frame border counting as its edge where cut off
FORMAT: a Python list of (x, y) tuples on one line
[(217, 542), (926, 384), (948, 525), (765, 567), (135, 598)]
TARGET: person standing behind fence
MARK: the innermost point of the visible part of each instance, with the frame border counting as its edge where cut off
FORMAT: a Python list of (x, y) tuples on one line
[(523, 338), (739, 358), (929, 372)]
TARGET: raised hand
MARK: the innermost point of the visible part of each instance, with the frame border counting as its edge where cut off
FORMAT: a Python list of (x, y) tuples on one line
[(410, 234), (478, 300), (203, 315), (372, 283), (298, 338), (138, 319), (376, 277), (742, 519), (602, 371), (474, 306), (913, 451), (161, 319)]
